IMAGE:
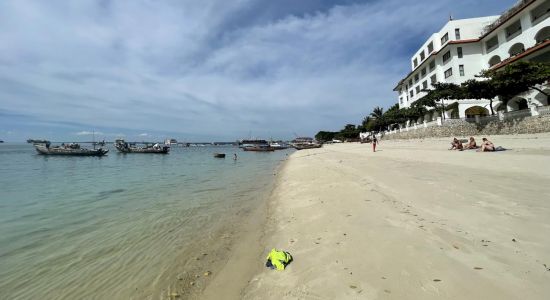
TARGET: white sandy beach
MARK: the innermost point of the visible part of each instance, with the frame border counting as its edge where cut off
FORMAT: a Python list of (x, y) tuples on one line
[(411, 221)]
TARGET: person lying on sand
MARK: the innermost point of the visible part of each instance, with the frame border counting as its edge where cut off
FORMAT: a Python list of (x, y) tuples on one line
[(456, 145), (487, 145), (471, 144)]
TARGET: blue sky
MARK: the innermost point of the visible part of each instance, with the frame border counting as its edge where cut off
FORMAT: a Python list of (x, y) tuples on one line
[(207, 70)]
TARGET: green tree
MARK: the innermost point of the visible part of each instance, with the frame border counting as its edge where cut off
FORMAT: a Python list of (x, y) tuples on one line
[(436, 97), (517, 78), (325, 136), (480, 89)]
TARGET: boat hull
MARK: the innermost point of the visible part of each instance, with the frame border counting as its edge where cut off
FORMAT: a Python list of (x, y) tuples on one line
[(302, 147), (43, 150)]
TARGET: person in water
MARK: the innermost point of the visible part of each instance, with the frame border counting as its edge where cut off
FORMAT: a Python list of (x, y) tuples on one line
[(487, 146), (472, 143), (234, 156)]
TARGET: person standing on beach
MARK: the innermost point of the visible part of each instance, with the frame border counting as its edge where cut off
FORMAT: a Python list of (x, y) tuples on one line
[(374, 142)]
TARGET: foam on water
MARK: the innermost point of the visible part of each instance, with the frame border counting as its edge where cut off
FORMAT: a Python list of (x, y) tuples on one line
[(116, 226)]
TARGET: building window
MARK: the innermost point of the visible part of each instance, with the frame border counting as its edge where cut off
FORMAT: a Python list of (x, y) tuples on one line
[(417, 89), (416, 78), (410, 82), (433, 79), (457, 33), (540, 12), (449, 73), (412, 93), (432, 65), (425, 84), (415, 63), (444, 39), (513, 30), (491, 44), (400, 100), (461, 70), (447, 56), (459, 51), (422, 55), (423, 72), (430, 47)]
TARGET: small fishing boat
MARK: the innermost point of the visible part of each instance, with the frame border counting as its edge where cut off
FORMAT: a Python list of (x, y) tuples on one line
[(278, 145), (32, 141), (71, 149), (124, 147), (219, 155), (302, 143), (259, 148)]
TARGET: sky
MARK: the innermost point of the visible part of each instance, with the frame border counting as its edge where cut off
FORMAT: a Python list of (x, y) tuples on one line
[(209, 70)]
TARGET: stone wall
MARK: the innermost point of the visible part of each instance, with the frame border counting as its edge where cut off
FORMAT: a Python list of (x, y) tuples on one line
[(462, 128)]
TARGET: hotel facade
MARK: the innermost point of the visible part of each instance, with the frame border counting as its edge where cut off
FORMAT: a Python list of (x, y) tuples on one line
[(463, 48)]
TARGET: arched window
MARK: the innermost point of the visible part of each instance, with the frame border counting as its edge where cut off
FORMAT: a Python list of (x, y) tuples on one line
[(543, 35), (494, 60), (516, 49)]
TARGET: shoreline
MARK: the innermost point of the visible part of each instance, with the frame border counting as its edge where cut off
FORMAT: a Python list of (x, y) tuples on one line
[(413, 220), (245, 253)]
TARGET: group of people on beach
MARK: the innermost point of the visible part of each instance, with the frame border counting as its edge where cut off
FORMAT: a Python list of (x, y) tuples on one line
[(486, 145)]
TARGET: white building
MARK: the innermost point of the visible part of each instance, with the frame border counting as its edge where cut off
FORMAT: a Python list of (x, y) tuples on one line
[(463, 48)]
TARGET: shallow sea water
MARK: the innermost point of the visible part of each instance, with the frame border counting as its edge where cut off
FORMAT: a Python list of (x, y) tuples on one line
[(114, 227)]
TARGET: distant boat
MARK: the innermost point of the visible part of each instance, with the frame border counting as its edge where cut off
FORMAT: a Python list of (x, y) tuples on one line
[(68, 150), (250, 143), (278, 145), (259, 148), (124, 147), (301, 143), (219, 155), (32, 141), (1, 141), (170, 142), (256, 145)]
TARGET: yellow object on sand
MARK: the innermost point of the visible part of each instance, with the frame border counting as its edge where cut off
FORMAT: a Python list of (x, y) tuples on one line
[(279, 259)]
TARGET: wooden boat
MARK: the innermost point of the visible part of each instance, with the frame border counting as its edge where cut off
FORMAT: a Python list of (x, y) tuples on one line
[(302, 143), (219, 155), (124, 147), (68, 150), (32, 141), (278, 145), (259, 148)]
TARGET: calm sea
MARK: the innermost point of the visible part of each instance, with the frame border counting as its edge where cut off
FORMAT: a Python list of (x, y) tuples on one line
[(110, 227)]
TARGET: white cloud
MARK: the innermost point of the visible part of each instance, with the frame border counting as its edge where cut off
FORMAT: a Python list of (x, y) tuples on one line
[(143, 134), (89, 133), (213, 68)]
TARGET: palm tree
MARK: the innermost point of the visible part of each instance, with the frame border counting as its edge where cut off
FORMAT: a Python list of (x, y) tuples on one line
[(377, 113)]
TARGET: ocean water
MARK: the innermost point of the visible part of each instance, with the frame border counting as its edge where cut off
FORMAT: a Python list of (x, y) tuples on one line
[(120, 226)]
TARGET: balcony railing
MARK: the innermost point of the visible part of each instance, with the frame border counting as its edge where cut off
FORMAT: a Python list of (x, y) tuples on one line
[(506, 15)]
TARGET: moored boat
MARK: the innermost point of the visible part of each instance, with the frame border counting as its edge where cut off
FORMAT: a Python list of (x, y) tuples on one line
[(219, 155), (302, 143), (33, 141), (256, 145), (124, 147), (278, 145), (72, 149), (259, 148)]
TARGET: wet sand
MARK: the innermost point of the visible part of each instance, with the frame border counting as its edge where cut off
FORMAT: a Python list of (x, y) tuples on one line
[(411, 221)]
